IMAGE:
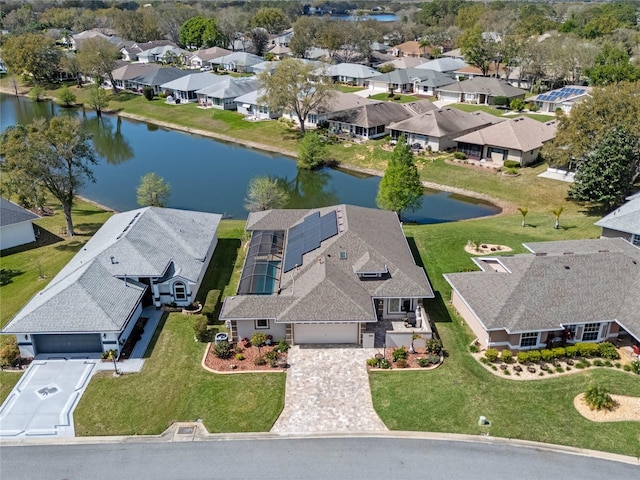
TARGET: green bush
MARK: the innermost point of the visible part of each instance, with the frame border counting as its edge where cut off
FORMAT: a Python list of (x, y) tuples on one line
[(434, 345), (597, 397), (271, 355), (571, 351), (222, 350), (399, 353), (200, 329), (433, 359), (598, 363), (588, 349), (532, 107), (583, 364), (559, 352), (523, 357), (517, 104), (491, 354), (506, 356), (635, 367), (473, 348), (372, 362), (627, 367), (66, 97), (546, 355), (501, 101), (384, 363), (608, 350), (459, 156), (534, 356), (423, 362), (282, 346), (211, 303), (239, 356), (148, 93), (9, 351), (259, 361), (312, 151), (402, 363), (511, 164)]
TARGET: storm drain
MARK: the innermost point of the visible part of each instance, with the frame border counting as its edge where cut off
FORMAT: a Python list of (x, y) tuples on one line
[(185, 430), (48, 391)]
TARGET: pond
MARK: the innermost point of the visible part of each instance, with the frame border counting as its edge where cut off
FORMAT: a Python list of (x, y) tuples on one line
[(212, 176)]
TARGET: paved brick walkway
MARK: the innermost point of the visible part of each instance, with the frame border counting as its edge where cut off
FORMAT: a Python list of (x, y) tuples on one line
[(328, 390)]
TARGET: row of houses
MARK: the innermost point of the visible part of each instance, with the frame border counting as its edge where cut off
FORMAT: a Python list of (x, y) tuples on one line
[(327, 276)]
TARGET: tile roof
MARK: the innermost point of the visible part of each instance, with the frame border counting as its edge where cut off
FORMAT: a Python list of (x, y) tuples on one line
[(625, 218), (10, 213), (522, 134), (576, 281), (440, 123), (325, 287), (140, 243)]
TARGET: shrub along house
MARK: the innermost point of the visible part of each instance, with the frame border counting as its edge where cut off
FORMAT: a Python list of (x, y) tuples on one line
[(324, 275), (566, 291), (138, 259)]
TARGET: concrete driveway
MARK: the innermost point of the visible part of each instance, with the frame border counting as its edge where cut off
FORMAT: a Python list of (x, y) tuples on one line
[(42, 402), (327, 390)]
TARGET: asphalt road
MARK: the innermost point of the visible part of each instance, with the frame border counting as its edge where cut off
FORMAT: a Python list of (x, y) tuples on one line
[(311, 458)]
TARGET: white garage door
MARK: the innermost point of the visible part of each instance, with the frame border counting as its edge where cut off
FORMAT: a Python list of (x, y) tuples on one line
[(325, 333), (450, 96)]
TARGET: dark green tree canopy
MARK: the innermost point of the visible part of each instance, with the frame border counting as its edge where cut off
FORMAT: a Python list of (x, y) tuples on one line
[(199, 32), (266, 193), (400, 188), (153, 191), (608, 173), (32, 54), (274, 20)]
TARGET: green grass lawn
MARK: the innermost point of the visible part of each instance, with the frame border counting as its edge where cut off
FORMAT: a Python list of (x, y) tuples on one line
[(346, 88), (174, 387), (467, 107), (7, 381), (452, 397), (402, 98)]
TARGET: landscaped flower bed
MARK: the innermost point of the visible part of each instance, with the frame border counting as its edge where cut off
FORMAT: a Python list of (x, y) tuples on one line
[(533, 364), (429, 357), (245, 358)]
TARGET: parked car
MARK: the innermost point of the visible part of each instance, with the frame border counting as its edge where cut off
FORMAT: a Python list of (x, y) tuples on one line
[(206, 68)]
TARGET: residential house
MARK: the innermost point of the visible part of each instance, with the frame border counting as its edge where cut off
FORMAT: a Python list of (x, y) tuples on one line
[(562, 98), (250, 104), (240, 62), (350, 73), (316, 53), (410, 49), (164, 54), (379, 47), (455, 53), (184, 89), (623, 222), (368, 121), (471, 71), (123, 76), (338, 101), (156, 77), (519, 140), (280, 52), (266, 66), (410, 80), (131, 50), (562, 292), (328, 275), (401, 63), (16, 227), (202, 58), (76, 40), (436, 130), (479, 90), (283, 39), (222, 94), (138, 259), (444, 64)]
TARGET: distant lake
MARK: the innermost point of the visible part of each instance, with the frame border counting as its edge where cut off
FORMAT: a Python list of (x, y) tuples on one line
[(213, 176), (380, 17)]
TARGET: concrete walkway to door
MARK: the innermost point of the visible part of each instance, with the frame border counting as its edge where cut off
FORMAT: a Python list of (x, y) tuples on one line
[(327, 391)]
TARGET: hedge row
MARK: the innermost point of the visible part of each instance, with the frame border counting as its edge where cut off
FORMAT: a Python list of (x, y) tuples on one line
[(604, 350)]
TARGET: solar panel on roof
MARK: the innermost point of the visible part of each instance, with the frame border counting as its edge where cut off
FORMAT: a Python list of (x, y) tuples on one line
[(307, 236), (328, 226)]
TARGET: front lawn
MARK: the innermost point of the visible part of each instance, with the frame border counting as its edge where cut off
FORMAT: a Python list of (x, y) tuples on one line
[(451, 398), (173, 387), (397, 97)]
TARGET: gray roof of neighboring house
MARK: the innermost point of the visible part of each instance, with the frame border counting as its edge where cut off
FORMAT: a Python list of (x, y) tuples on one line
[(444, 64), (373, 114), (440, 123), (251, 98), (432, 78), (90, 293), (485, 85), (243, 59), (10, 213), (135, 48), (192, 82), (341, 101), (625, 218), (133, 70), (579, 281), (420, 106), (353, 70), (404, 62), (409, 75), (160, 76), (161, 50), (230, 87), (522, 134), (326, 287), (210, 53)]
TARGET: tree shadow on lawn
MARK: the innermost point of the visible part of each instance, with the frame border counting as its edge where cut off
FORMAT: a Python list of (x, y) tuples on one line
[(88, 228), (7, 275)]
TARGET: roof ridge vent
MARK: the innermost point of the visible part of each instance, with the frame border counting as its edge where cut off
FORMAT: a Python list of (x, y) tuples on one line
[(567, 253)]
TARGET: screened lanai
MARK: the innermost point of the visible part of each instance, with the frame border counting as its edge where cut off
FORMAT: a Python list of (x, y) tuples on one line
[(262, 265)]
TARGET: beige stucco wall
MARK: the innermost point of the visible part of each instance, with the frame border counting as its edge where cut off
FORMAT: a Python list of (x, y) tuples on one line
[(470, 318)]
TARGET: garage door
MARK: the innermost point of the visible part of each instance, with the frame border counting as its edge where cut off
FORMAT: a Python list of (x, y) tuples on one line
[(450, 96), (326, 333), (72, 343)]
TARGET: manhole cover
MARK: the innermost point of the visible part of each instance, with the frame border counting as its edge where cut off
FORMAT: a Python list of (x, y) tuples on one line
[(48, 391), (185, 431)]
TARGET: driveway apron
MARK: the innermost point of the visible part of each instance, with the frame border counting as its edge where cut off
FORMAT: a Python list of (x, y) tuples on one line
[(327, 390), (42, 402)]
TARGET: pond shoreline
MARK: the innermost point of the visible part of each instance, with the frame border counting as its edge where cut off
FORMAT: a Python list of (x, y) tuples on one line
[(504, 206)]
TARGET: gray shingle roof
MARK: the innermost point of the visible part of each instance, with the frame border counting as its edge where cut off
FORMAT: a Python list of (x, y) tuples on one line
[(409, 75), (440, 123), (192, 82), (372, 115), (139, 243), (485, 85), (444, 64), (625, 218), (243, 59), (160, 76), (133, 70), (230, 87), (10, 213), (522, 133), (353, 70), (326, 287), (598, 282)]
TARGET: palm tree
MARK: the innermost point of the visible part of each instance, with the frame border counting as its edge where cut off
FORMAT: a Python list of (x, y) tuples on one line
[(557, 212), (523, 211)]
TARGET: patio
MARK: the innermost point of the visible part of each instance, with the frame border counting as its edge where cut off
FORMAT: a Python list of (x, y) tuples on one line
[(395, 332)]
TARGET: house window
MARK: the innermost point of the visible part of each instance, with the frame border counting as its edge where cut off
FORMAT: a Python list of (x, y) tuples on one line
[(635, 240), (590, 332), (262, 324), (179, 291), (399, 305), (528, 339)]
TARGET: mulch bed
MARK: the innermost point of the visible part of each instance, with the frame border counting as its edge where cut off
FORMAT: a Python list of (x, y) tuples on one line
[(250, 354), (412, 359)]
